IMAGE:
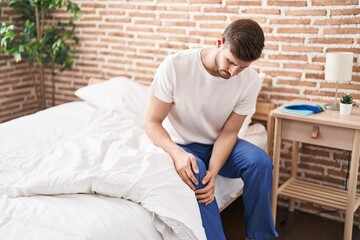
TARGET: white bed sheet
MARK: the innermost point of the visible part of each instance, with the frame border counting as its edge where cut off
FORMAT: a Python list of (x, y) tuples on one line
[(74, 216)]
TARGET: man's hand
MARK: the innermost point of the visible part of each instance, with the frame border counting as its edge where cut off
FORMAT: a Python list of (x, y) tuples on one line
[(207, 194), (185, 164)]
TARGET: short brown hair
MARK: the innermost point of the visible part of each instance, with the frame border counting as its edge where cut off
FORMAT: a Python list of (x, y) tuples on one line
[(245, 38)]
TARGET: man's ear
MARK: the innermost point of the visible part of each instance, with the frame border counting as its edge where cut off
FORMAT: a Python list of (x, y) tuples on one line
[(220, 41)]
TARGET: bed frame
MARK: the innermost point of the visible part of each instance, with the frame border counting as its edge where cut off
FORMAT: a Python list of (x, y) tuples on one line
[(261, 115)]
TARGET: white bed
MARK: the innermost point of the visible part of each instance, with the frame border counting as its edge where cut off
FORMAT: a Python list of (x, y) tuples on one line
[(86, 170)]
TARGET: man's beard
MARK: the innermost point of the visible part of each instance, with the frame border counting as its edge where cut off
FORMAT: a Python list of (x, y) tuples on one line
[(221, 73), (224, 74)]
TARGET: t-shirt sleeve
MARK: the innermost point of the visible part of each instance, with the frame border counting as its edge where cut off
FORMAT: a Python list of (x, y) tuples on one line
[(162, 86), (247, 105)]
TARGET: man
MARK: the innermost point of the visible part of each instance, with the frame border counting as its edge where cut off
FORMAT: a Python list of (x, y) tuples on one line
[(206, 95)]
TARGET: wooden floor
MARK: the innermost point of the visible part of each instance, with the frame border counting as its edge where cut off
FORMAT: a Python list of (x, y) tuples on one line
[(290, 226)]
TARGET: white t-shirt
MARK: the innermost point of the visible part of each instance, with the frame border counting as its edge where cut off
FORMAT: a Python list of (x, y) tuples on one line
[(201, 102)]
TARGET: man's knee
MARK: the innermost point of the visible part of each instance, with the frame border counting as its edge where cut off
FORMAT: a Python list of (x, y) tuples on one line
[(260, 160), (202, 172)]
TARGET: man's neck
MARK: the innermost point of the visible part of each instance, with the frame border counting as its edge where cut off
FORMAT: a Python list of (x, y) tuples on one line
[(207, 56)]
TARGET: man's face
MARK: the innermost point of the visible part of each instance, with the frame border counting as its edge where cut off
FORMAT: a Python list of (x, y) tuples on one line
[(226, 64)]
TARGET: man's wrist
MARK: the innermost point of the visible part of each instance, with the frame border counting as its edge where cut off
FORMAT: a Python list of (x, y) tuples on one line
[(214, 171), (174, 150)]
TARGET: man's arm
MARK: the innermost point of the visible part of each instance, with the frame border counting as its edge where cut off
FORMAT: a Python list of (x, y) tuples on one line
[(184, 162), (223, 146)]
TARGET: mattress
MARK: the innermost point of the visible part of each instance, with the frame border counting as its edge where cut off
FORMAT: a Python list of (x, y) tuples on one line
[(83, 213)]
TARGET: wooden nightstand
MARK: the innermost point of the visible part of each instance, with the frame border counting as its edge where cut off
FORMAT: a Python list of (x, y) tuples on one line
[(329, 129)]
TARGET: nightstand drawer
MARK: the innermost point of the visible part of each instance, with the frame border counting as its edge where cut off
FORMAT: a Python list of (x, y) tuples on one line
[(317, 134)]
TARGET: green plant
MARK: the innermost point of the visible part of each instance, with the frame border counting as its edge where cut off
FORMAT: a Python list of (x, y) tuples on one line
[(346, 99), (38, 40)]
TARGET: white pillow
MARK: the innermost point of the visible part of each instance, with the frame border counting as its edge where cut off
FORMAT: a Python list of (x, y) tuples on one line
[(116, 94)]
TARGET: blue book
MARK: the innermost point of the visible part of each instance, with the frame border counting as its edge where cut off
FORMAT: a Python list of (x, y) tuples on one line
[(302, 109), (297, 112)]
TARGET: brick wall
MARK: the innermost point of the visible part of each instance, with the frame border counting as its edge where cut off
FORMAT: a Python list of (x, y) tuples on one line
[(17, 95), (130, 38)]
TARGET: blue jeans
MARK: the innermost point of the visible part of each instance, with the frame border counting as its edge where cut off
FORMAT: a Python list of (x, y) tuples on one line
[(254, 166)]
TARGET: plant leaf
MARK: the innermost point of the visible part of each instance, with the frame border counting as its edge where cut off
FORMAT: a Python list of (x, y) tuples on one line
[(17, 57)]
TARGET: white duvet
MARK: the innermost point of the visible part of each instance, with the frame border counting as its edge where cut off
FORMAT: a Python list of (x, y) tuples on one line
[(55, 156), (76, 148)]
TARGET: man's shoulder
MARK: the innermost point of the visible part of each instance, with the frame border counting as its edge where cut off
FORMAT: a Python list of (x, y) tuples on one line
[(181, 59), (249, 73), (188, 53), (249, 78)]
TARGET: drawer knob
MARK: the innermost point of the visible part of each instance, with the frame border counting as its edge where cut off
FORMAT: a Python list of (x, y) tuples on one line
[(315, 132)]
